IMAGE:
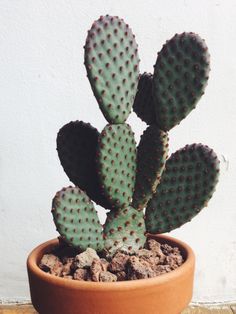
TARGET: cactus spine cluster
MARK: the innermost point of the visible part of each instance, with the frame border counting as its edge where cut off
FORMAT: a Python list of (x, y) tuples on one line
[(107, 167)]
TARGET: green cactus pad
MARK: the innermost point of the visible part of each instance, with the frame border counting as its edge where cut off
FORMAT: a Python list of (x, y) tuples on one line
[(180, 77), (77, 145), (187, 184), (76, 219), (151, 157), (143, 103), (117, 163), (112, 63), (124, 230)]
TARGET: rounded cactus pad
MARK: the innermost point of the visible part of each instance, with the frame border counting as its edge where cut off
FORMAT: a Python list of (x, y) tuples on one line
[(180, 77), (187, 184), (76, 219), (152, 153), (143, 103), (77, 146), (124, 230), (112, 63), (117, 163)]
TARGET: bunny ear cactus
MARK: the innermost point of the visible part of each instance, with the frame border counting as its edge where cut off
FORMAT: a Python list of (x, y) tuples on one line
[(143, 103), (179, 79), (151, 158), (77, 147), (117, 163), (112, 63), (76, 219), (187, 184), (125, 230), (108, 168)]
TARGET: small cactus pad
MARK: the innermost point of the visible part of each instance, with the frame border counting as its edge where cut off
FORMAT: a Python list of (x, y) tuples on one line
[(187, 184), (76, 219), (112, 63), (151, 157), (117, 163), (143, 103), (77, 145), (124, 230), (180, 77)]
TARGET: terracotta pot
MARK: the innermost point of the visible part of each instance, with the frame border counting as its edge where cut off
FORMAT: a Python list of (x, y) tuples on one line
[(167, 294)]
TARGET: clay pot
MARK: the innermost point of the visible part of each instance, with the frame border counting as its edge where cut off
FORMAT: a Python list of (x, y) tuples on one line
[(166, 294)]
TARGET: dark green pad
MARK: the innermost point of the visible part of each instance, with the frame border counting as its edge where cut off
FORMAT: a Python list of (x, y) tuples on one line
[(143, 103), (124, 230), (180, 77), (187, 184), (117, 163), (77, 146), (151, 157), (112, 63), (76, 219)]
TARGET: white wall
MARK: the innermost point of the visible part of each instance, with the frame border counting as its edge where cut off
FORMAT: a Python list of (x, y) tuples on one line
[(44, 85)]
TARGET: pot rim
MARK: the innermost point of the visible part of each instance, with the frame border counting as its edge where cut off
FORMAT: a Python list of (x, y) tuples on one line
[(33, 267)]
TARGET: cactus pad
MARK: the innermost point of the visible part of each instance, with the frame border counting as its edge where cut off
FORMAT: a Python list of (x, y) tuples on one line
[(76, 219), (180, 77), (151, 157), (112, 63), (124, 230), (76, 145), (143, 103), (187, 184), (117, 163)]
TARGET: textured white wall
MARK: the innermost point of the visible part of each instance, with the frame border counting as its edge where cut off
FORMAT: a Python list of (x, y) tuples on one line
[(44, 85)]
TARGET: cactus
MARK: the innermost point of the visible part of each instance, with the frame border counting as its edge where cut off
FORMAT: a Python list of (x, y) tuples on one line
[(151, 158), (77, 146), (124, 230), (180, 77), (117, 163), (143, 103), (187, 185), (107, 167), (76, 219), (112, 63)]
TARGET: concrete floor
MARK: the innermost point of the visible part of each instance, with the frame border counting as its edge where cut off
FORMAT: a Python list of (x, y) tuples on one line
[(226, 309)]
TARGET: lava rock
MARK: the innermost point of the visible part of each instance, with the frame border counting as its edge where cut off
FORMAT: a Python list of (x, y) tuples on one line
[(85, 259), (106, 276)]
